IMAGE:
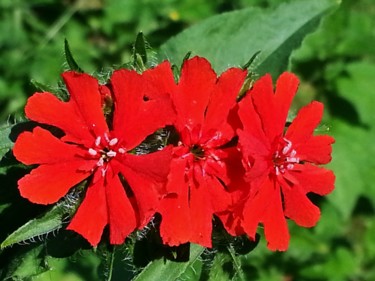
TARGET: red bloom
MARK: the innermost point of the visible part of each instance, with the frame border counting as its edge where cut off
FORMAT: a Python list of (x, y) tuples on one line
[(201, 165), (90, 149), (280, 166)]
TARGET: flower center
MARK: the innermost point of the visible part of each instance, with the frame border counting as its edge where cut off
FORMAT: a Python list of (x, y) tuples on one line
[(285, 158), (197, 151), (104, 149)]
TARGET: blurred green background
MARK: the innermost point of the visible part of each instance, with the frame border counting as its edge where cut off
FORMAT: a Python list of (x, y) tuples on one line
[(336, 65)]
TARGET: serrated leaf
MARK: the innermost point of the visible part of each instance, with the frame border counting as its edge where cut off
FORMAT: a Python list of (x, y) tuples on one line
[(169, 270), (140, 49), (230, 39), (69, 58), (42, 87), (49, 222)]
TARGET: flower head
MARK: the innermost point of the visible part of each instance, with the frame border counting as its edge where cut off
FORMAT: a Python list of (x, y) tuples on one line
[(282, 166), (201, 165), (123, 188)]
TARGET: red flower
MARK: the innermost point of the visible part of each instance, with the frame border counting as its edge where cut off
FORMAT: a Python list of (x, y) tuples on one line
[(201, 165), (281, 167), (92, 150)]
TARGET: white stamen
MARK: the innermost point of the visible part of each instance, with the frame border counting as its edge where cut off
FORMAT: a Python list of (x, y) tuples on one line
[(121, 150), (98, 140), (285, 150), (113, 141), (100, 162), (103, 172), (290, 166), (92, 152), (106, 137), (111, 153), (292, 159), (293, 153), (287, 147), (277, 171)]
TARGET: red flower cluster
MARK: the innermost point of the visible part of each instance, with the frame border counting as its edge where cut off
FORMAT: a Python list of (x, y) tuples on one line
[(262, 179)]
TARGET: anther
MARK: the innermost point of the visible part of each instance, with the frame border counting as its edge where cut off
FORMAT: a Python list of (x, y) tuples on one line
[(103, 172), (98, 140), (100, 162), (121, 150), (92, 152), (113, 141), (111, 153), (293, 153), (277, 171), (106, 137)]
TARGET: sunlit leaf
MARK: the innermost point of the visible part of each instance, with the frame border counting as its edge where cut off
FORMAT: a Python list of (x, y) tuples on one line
[(230, 39), (50, 222)]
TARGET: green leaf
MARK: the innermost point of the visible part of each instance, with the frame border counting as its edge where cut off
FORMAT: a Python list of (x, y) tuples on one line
[(27, 263), (42, 87), (115, 262), (5, 142), (140, 49), (354, 169), (69, 58), (36, 228), (107, 257), (169, 270), (230, 39)]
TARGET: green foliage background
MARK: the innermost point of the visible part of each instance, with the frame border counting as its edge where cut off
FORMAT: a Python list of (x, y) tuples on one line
[(336, 65)]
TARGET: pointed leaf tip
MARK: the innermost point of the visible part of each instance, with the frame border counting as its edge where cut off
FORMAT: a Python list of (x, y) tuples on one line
[(70, 60)]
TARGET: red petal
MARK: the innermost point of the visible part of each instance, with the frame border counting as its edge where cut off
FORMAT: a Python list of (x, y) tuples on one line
[(41, 147), (147, 175), (234, 171), (298, 207), (160, 81), (142, 98), (91, 216), (48, 109), (122, 220), (316, 150), (232, 222), (286, 89), (273, 108), (146, 194), (256, 207), (154, 166), (264, 104), (201, 211), (175, 227), (222, 101), (252, 138), (306, 121), (196, 84), (275, 226), (84, 91), (314, 179), (216, 194), (48, 183)]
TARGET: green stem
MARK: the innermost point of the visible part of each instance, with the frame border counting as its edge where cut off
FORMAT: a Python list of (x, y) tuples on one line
[(236, 263)]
